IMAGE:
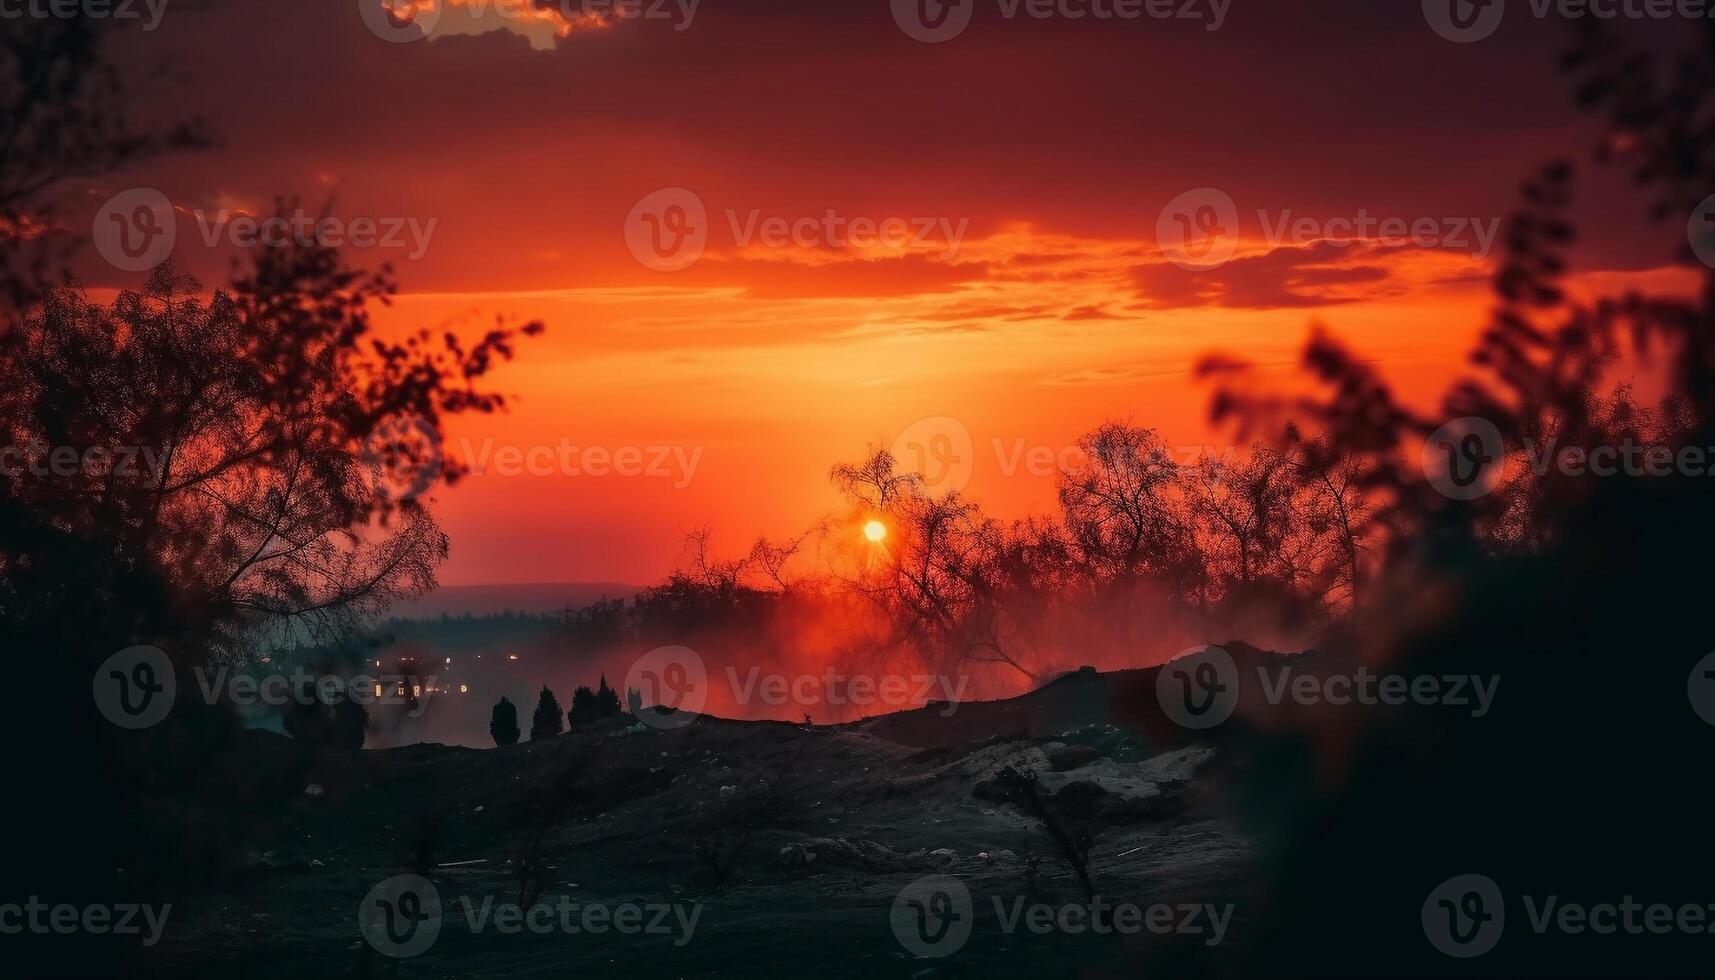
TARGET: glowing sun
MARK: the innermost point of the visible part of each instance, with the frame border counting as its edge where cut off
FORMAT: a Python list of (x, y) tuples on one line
[(875, 530)]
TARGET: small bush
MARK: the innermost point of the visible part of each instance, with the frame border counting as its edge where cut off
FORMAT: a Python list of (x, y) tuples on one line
[(590, 706), (503, 723), (546, 722)]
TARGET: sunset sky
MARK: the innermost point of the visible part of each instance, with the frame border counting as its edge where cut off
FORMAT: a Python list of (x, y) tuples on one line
[(1050, 147)]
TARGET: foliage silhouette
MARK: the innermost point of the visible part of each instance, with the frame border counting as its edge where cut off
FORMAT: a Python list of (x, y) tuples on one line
[(222, 493), (589, 707), (1583, 593), (547, 721), (503, 723)]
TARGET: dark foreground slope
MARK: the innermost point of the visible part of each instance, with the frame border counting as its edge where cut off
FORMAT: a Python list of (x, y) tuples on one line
[(790, 845)]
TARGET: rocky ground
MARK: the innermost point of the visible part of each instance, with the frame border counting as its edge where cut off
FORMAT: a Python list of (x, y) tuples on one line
[(785, 845)]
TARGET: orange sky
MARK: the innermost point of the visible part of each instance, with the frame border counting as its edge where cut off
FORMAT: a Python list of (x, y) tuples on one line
[(1049, 149), (756, 397)]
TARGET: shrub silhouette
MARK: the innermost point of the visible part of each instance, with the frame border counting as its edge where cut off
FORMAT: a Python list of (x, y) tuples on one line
[(503, 723), (607, 700), (1586, 594), (589, 707), (545, 723), (1073, 837), (256, 516)]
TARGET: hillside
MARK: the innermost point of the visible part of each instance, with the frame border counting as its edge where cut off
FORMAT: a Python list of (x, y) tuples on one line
[(829, 824)]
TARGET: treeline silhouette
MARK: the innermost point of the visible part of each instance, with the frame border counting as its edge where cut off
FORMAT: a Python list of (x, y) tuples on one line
[(1149, 554), (257, 518)]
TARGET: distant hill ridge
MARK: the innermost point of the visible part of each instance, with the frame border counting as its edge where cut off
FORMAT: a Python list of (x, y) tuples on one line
[(535, 597)]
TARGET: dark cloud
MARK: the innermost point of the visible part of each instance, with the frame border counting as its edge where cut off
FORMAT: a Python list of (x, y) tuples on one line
[(1294, 277), (1082, 127)]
